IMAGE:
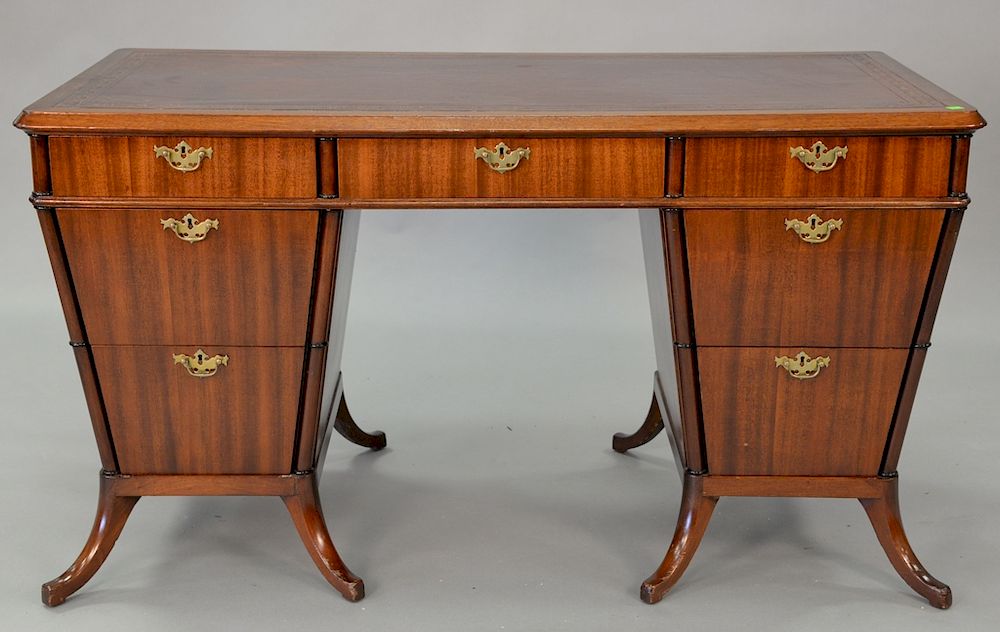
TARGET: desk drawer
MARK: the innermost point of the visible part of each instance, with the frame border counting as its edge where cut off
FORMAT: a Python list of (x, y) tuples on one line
[(875, 166), (756, 281), (594, 168), (120, 166), (760, 420), (163, 420), (247, 281)]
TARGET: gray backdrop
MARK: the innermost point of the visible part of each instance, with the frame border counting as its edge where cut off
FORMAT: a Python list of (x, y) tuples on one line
[(499, 351)]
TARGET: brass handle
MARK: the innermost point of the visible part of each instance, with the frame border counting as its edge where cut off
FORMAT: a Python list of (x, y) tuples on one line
[(801, 366), (182, 157), (200, 364), (818, 158), (813, 229), (503, 159), (189, 229)]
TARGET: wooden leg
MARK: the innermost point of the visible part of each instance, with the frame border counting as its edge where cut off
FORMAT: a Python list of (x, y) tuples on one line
[(696, 511), (622, 442), (112, 512), (885, 518), (304, 506), (348, 428)]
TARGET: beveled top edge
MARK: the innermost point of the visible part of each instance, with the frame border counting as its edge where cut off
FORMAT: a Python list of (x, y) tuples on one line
[(361, 93)]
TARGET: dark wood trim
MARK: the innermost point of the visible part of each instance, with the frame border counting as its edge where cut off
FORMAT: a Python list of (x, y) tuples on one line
[(682, 326), (675, 167), (309, 415), (690, 404), (341, 271), (675, 253), (326, 152), (794, 486), (959, 165), (326, 273), (78, 337), (318, 330), (41, 171), (499, 203), (95, 406), (904, 407), (939, 272)]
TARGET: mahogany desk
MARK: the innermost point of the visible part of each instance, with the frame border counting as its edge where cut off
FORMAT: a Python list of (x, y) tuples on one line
[(200, 210)]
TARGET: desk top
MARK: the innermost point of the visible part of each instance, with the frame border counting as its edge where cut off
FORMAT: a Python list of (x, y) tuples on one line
[(371, 94)]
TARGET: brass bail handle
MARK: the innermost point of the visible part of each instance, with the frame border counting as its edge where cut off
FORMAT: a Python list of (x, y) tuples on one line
[(182, 157), (813, 229), (818, 158), (502, 158), (200, 364), (801, 366), (190, 229)]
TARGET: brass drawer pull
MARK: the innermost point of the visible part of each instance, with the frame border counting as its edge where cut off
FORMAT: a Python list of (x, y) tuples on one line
[(818, 158), (503, 159), (802, 367), (200, 364), (813, 230), (189, 229), (183, 157)]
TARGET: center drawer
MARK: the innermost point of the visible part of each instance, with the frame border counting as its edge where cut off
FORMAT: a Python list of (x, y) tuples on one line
[(192, 276), (422, 168), (825, 277)]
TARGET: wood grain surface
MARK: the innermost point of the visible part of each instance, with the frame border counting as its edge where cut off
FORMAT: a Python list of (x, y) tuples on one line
[(761, 421), (247, 283), (119, 166), (755, 283), (882, 166), (556, 167), (164, 421)]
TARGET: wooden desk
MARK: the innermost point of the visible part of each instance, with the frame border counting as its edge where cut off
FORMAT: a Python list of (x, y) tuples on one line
[(200, 211)]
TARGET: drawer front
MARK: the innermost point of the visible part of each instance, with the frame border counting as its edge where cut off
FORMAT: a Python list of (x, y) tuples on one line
[(128, 166), (596, 168), (247, 281), (163, 420), (759, 420), (756, 281), (874, 166)]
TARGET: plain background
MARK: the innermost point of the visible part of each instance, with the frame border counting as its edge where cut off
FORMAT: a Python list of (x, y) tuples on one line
[(499, 351)]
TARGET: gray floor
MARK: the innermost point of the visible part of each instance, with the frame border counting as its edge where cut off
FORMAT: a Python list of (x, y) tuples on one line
[(499, 504)]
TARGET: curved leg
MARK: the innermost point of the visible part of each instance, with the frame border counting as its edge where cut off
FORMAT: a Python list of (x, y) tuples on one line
[(696, 511), (348, 428), (622, 442), (885, 518), (308, 517), (112, 512)]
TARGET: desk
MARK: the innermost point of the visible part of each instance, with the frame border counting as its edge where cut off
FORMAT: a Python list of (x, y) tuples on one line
[(200, 210)]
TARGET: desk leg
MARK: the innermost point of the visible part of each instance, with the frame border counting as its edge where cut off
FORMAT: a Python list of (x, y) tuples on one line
[(885, 518), (622, 442), (349, 429), (304, 506), (696, 511), (112, 513)]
